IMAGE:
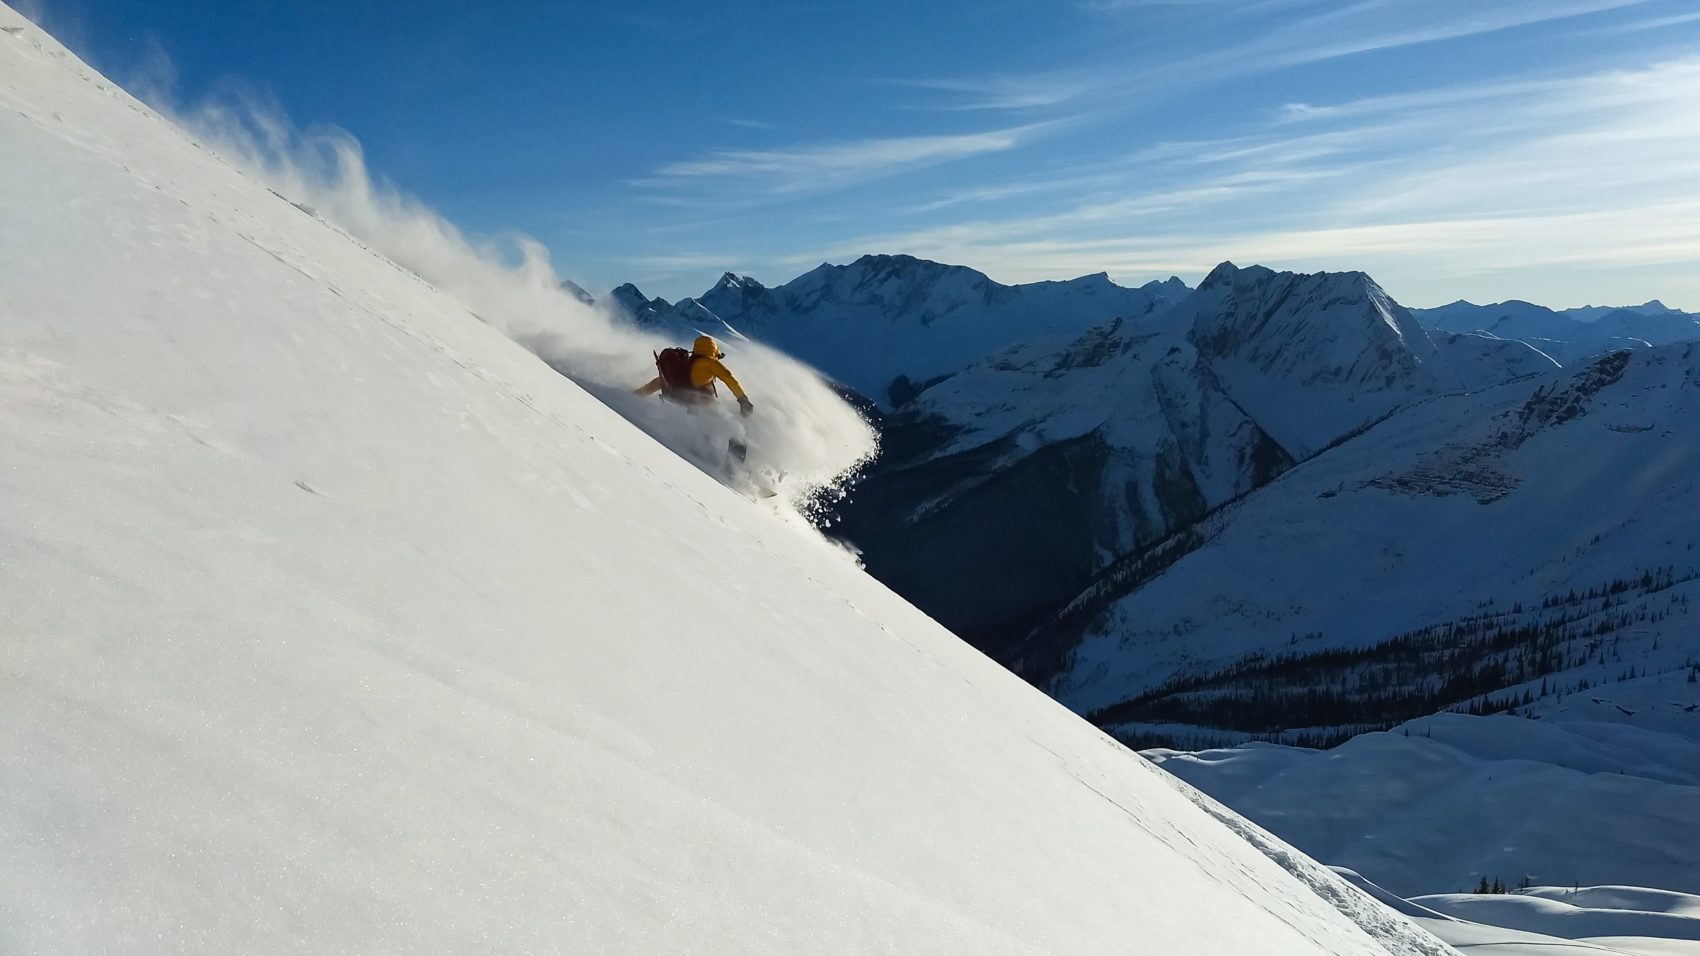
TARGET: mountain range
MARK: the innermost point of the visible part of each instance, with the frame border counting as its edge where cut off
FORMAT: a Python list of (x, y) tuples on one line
[(885, 325), (1205, 482), (1568, 335), (1456, 546)]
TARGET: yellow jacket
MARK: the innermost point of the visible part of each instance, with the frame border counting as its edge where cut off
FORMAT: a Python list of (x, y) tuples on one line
[(705, 368)]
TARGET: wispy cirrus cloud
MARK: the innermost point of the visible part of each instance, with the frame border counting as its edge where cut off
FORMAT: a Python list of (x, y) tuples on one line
[(825, 166), (1652, 23), (992, 92), (688, 262), (1369, 25), (1342, 28)]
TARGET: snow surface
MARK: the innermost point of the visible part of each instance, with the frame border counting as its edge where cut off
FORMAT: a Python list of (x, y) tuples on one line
[(336, 621)]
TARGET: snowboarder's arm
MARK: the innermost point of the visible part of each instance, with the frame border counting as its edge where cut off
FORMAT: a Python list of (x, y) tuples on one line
[(719, 371), (653, 386)]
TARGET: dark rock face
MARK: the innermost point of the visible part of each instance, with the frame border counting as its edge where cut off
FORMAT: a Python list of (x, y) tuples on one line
[(1000, 556)]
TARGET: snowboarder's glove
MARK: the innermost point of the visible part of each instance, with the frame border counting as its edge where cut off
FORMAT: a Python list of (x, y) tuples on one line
[(745, 406)]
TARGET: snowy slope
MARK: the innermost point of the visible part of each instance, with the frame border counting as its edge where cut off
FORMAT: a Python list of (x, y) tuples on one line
[(338, 622), (888, 317)]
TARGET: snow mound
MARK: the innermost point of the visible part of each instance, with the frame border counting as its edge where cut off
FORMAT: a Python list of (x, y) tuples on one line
[(1462, 798), (1551, 917), (337, 622), (1620, 898), (1481, 939)]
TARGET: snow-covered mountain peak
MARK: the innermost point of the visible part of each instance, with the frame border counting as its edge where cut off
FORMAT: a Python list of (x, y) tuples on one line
[(1173, 288), (1223, 276), (902, 288), (738, 300), (1319, 354), (630, 300), (731, 282)]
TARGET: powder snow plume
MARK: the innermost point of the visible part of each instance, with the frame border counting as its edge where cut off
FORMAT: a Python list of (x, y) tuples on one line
[(808, 439)]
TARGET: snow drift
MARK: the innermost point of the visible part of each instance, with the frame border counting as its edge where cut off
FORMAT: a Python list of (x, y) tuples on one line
[(335, 621)]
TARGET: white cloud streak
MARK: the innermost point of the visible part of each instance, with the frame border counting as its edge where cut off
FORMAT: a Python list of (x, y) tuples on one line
[(1369, 25), (1641, 26), (831, 165), (1345, 29)]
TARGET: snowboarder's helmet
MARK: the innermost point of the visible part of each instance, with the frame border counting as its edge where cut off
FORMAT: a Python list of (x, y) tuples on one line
[(707, 347)]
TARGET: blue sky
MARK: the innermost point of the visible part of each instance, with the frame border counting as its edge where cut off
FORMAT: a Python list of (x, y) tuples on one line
[(1538, 149)]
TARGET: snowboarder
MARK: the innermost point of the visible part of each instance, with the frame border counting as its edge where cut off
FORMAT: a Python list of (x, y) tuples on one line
[(688, 377)]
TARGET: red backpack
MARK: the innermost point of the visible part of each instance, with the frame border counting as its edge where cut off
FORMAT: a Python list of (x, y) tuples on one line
[(674, 364)]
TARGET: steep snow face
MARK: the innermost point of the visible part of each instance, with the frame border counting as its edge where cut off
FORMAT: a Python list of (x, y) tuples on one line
[(336, 621), (1539, 535), (882, 318)]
